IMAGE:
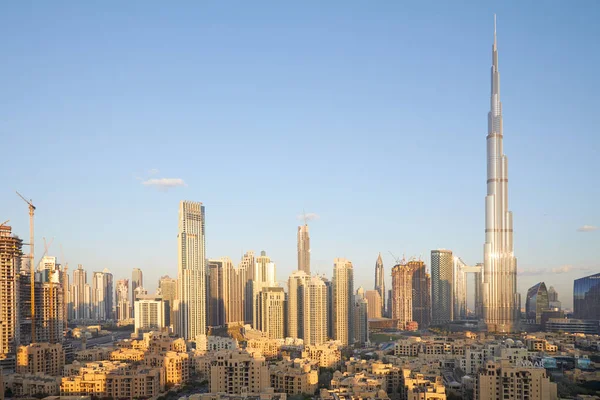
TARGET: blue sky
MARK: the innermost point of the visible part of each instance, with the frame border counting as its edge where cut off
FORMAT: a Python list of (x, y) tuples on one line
[(371, 115)]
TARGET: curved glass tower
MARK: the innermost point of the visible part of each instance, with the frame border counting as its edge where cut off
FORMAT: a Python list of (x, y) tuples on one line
[(500, 298)]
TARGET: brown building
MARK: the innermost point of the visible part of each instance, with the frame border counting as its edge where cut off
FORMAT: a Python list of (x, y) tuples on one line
[(42, 358), (505, 380), (402, 295), (421, 287), (294, 377)]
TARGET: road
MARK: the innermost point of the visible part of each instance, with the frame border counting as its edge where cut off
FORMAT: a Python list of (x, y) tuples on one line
[(101, 340)]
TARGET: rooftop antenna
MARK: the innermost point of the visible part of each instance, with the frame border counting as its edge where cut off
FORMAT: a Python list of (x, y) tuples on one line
[(494, 29)]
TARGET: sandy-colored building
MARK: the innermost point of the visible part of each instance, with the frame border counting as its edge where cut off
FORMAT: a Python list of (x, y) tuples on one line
[(508, 380), (28, 385), (176, 366), (95, 354), (42, 358), (293, 377), (326, 355), (236, 372), (126, 355), (114, 379)]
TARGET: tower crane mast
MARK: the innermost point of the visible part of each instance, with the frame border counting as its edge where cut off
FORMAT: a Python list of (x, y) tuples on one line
[(31, 261)]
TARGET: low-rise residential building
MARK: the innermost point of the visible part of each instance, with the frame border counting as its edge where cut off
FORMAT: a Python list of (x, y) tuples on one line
[(356, 386), (326, 355), (237, 372), (30, 385), (126, 355), (176, 366), (114, 379), (506, 379), (293, 377), (95, 354), (44, 358)]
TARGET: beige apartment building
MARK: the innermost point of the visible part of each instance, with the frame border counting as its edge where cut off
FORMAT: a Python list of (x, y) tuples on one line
[(30, 385), (115, 380), (504, 380), (294, 377), (176, 366), (269, 312), (237, 372), (42, 358)]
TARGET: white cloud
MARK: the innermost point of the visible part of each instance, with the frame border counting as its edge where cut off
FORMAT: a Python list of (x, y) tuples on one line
[(587, 228), (164, 183), (153, 171), (308, 217), (563, 269), (530, 271)]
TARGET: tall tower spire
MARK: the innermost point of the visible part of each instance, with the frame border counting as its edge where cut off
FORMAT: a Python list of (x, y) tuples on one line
[(500, 297)]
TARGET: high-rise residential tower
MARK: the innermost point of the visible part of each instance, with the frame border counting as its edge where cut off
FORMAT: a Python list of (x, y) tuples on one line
[(303, 249), (314, 318), (442, 270), (102, 295), (269, 312), (168, 290), (295, 304), (421, 287), (216, 293), (380, 282), (10, 262), (78, 292), (375, 306), (192, 271), (500, 297), (343, 301), (137, 280), (402, 295), (122, 298)]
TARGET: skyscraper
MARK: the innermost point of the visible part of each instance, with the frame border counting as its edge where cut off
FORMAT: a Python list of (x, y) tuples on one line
[(264, 277), (314, 317), (102, 295), (10, 262), (303, 249), (380, 283), (150, 313), (296, 306), (421, 287), (402, 294), (442, 266), (216, 293), (343, 304), (192, 271), (586, 297), (80, 305), (122, 298), (168, 290), (553, 301), (536, 303), (235, 280), (269, 312), (137, 280), (375, 306), (247, 264), (500, 298), (361, 318), (49, 307)]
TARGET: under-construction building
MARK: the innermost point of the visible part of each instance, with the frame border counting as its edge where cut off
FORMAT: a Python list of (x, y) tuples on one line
[(10, 263), (49, 312)]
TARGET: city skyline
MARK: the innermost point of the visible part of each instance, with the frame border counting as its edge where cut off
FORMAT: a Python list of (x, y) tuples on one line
[(149, 231)]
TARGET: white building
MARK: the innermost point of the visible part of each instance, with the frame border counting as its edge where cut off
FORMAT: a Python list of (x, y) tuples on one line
[(149, 313)]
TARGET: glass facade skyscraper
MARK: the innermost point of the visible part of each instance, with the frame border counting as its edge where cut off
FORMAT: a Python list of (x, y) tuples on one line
[(586, 297), (537, 301)]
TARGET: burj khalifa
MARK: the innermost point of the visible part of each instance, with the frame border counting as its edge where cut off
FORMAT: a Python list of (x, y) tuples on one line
[(500, 297)]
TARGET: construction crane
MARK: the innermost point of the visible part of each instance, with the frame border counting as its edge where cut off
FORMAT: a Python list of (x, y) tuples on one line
[(31, 260)]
